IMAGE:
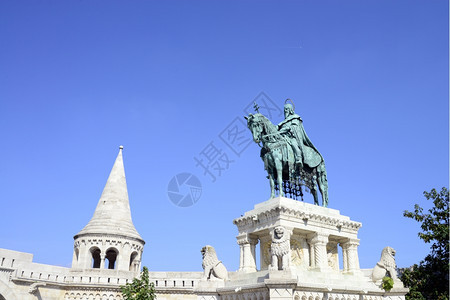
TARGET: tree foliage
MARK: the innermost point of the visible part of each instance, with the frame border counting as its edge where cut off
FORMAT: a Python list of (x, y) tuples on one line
[(387, 283), (140, 289), (430, 279)]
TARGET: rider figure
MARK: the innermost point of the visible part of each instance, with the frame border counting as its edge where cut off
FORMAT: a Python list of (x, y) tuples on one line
[(292, 129), (289, 128)]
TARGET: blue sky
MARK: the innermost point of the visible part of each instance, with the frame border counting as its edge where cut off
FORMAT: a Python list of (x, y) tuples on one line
[(165, 79)]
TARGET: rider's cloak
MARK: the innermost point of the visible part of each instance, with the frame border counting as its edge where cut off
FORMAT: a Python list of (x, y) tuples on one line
[(311, 155)]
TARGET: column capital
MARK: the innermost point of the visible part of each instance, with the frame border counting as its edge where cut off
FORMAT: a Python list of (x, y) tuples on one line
[(353, 242), (246, 239), (349, 243), (332, 243), (319, 237)]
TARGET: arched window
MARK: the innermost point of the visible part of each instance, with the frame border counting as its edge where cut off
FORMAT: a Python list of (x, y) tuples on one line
[(111, 257), (133, 261), (95, 258)]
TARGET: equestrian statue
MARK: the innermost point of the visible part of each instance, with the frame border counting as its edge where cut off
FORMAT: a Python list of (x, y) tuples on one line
[(289, 156)]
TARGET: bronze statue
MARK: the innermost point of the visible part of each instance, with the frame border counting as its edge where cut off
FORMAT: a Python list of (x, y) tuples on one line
[(290, 158)]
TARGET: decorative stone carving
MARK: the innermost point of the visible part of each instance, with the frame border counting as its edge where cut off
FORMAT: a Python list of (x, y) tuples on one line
[(332, 254), (280, 249), (304, 295), (297, 258), (311, 217), (386, 264), (34, 287), (281, 293), (267, 257), (213, 267)]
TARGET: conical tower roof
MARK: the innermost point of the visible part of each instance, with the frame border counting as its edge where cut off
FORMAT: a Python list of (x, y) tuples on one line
[(112, 215)]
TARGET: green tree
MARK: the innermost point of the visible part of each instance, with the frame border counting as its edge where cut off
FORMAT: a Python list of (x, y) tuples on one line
[(140, 289), (430, 279)]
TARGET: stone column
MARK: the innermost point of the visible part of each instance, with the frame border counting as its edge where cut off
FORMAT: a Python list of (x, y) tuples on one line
[(122, 264), (102, 260), (319, 255), (86, 258), (253, 243), (249, 265), (344, 256), (312, 262), (350, 253), (76, 255), (241, 257), (136, 265), (247, 258)]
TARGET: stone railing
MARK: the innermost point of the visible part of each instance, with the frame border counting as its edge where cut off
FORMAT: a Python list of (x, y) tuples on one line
[(175, 280), (60, 275), (6, 273), (71, 276)]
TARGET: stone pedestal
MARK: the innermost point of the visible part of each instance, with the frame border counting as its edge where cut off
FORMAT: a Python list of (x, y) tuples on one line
[(314, 234)]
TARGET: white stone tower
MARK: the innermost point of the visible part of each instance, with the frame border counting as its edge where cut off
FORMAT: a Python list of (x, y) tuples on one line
[(110, 240)]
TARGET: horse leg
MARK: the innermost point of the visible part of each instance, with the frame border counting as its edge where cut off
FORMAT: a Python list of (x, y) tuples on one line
[(272, 186), (280, 179), (322, 182), (316, 199), (268, 166), (279, 170)]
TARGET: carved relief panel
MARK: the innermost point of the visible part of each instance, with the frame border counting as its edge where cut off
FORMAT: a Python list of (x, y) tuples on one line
[(332, 255)]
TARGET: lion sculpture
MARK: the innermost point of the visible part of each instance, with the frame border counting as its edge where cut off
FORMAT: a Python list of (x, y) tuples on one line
[(386, 264), (280, 250), (213, 267)]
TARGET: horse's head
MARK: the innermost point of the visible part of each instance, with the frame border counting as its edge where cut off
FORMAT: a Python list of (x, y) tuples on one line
[(255, 123)]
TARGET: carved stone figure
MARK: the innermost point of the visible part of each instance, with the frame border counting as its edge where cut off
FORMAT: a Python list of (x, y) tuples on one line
[(289, 156), (213, 267), (280, 249), (386, 264)]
